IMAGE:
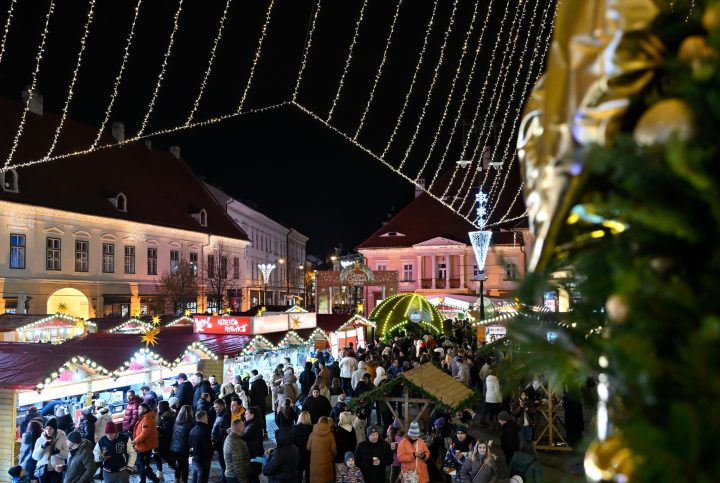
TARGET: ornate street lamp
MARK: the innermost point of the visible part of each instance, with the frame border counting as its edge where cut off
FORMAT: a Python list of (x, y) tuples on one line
[(266, 269), (480, 241)]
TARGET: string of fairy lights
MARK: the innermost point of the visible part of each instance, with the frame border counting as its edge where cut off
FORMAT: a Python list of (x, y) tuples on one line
[(341, 84), (452, 106), (211, 61), (71, 89), (163, 68), (33, 85)]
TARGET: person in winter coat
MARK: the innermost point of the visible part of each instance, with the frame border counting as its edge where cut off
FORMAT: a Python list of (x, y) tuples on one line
[(86, 427), (282, 462), (348, 365), (301, 433), (253, 437), (200, 386), (523, 410), (509, 438), (227, 392), (219, 432), (322, 448), (316, 405), (340, 407), (345, 439), (185, 391), (236, 454), (373, 455), (201, 449), (80, 467), (461, 445), (116, 455), (357, 375), (413, 454), (32, 433), (286, 388), (258, 391), (285, 415), (145, 440), (463, 371), (348, 472), (18, 475), (379, 376), (64, 420), (215, 386), (131, 415), (360, 424), (205, 405), (242, 395), (480, 465), (50, 452), (102, 413), (307, 379), (165, 420), (493, 398), (179, 445), (526, 464), (149, 397), (363, 386), (32, 414)]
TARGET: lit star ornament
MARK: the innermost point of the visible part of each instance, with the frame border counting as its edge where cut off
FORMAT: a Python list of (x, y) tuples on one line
[(156, 320), (295, 322), (187, 312), (80, 324), (261, 311), (360, 308), (150, 337)]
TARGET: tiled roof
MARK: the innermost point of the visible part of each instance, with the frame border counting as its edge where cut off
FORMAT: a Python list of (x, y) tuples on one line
[(426, 218), (160, 189)]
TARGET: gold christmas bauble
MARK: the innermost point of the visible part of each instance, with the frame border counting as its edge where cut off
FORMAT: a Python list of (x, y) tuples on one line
[(609, 460), (695, 48), (664, 120), (617, 308), (711, 17)]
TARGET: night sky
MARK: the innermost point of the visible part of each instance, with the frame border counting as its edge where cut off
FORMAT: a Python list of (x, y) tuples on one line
[(290, 166)]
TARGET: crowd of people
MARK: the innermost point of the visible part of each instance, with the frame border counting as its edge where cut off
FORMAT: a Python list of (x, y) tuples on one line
[(323, 433)]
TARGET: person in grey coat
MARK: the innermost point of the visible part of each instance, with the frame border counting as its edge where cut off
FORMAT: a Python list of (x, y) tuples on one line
[(479, 466), (80, 467)]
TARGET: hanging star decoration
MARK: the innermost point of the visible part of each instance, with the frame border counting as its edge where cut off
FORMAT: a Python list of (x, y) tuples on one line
[(261, 311), (215, 314), (156, 320), (228, 311), (150, 337), (62, 308), (80, 324), (360, 308), (187, 313), (295, 322)]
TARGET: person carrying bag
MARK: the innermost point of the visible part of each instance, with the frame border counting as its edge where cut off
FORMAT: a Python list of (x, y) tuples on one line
[(412, 454)]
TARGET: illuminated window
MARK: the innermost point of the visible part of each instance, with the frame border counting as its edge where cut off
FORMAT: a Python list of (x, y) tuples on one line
[(53, 254), (174, 260), (108, 258), (152, 261), (81, 255), (194, 262), (17, 251), (129, 259)]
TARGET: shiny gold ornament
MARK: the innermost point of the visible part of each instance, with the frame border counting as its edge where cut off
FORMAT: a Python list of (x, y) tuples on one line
[(150, 337), (617, 308), (609, 460), (80, 324), (695, 48), (602, 55), (156, 320), (711, 17), (188, 313), (665, 120)]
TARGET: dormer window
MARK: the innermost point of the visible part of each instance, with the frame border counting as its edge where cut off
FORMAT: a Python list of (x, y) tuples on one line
[(10, 181), (392, 234), (200, 217), (121, 202)]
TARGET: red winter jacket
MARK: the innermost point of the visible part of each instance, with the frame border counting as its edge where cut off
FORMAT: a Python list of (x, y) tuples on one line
[(131, 414)]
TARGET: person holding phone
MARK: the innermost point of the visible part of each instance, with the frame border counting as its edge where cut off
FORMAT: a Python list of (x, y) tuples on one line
[(413, 454), (115, 454), (51, 452)]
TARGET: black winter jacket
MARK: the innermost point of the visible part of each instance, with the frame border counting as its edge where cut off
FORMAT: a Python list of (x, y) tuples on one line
[(166, 426), (219, 429), (202, 386), (364, 459), (185, 395), (181, 433), (282, 464), (301, 433), (345, 441), (258, 392), (86, 427), (200, 446), (253, 437)]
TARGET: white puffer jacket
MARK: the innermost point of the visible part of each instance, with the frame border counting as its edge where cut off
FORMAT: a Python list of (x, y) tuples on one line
[(492, 394), (102, 419), (44, 456)]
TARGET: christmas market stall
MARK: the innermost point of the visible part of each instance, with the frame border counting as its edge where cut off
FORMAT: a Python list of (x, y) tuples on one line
[(53, 328)]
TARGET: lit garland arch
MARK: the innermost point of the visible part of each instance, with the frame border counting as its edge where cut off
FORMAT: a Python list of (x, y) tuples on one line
[(396, 312)]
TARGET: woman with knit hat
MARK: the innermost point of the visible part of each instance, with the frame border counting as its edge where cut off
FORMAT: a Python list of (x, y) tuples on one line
[(412, 454), (51, 451)]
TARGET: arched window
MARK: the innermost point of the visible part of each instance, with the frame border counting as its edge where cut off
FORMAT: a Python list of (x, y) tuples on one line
[(203, 217), (121, 202), (10, 180)]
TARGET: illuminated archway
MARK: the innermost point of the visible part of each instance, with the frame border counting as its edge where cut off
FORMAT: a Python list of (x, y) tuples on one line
[(69, 301)]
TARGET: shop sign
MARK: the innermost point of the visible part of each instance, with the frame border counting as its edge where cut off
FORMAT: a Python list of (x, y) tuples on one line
[(270, 323), (210, 324)]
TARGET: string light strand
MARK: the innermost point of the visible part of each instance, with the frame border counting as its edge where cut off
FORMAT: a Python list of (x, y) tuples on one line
[(211, 61), (118, 78), (428, 29), (71, 90), (306, 51), (256, 58), (33, 84), (163, 68), (428, 97), (7, 29), (378, 74)]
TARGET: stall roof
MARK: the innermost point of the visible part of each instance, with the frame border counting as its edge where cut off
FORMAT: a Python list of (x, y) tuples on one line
[(332, 322), (12, 322)]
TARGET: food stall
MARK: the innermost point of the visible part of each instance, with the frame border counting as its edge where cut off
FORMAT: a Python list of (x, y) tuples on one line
[(356, 330)]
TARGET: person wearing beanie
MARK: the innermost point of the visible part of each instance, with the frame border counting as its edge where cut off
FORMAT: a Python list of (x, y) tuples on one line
[(18, 474), (80, 466), (349, 473), (509, 437), (373, 456), (102, 413), (64, 420), (456, 454), (145, 440), (87, 425), (412, 453), (50, 452), (282, 462), (115, 454), (174, 403)]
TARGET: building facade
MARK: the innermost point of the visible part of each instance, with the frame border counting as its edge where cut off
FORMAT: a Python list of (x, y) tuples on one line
[(270, 244), (92, 235)]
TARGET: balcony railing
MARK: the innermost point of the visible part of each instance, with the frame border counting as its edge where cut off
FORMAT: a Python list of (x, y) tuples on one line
[(454, 283), (426, 283), (440, 283)]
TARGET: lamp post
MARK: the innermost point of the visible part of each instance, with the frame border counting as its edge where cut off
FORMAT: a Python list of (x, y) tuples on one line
[(266, 269), (281, 261), (480, 241)]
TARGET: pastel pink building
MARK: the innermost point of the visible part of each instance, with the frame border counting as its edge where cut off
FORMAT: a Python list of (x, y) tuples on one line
[(428, 245)]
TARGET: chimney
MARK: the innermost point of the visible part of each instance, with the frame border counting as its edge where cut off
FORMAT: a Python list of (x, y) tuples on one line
[(118, 131), (148, 144), (36, 100), (420, 187), (175, 151)]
